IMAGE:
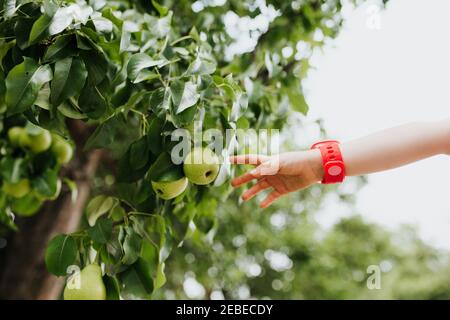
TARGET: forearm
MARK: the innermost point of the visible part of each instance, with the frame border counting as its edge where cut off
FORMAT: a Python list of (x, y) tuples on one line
[(396, 147)]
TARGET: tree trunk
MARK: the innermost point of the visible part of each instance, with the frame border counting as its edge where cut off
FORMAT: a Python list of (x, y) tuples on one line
[(23, 274)]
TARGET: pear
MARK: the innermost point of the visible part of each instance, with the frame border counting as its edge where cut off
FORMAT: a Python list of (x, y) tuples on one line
[(40, 142), (87, 285), (14, 135), (18, 189), (24, 140), (201, 166), (167, 190), (26, 206), (62, 150)]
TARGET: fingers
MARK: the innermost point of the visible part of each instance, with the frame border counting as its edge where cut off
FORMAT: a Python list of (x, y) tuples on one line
[(274, 195), (254, 190), (255, 159), (265, 169), (245, 178)]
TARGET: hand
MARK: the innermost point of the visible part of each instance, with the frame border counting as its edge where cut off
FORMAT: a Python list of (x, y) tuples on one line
[(284, 173)]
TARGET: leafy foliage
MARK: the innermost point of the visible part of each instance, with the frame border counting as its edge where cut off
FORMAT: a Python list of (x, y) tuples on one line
[(304, 260), (137, 70)]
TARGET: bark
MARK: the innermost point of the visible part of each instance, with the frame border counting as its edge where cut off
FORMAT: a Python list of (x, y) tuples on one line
[(23, 274)]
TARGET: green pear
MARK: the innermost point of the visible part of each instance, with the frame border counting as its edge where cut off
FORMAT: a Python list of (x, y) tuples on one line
[(24, 140), (201, 166), (26, 206), (87, 285), (40, 142), (62, 150), (18, 189), (14, 135), (167, 190)]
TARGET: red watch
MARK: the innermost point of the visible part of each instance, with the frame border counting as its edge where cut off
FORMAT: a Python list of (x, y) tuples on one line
[(333, 164)]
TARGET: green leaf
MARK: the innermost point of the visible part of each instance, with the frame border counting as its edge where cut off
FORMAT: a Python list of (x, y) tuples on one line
[(2, 95), (145, 272), (101, 24), (138, 62), (205, 214), (80, 11), (151, 228), (117, 213), (110, 14), (101, 232), (22, 30), (132, 286), (228, 85), (194, 34), (46, 184), (4, 48), (297, 100), (11, 169), (138, 194), (43, 98), (139, 153), (96, 64), (162, 165), (155, 229), (149, 252), (23, 84), (184, 95), (73, 188), (239, 106), (40, 29), (201, 66), (61, 253), (159, 101), (159, 27), (122, 95), (131, 246), (6, 216), (70, 109), (161, 9), (112, 288), (104, 135), (92, 102), (184, 118), (69, 79), (181, 219), (51, 23), (134, 100), (60, 49), (127, 173), (154, 135), (160, 279), (61, 20), (97, 207)]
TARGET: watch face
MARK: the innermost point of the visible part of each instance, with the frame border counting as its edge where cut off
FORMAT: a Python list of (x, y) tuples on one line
[(334, 170)]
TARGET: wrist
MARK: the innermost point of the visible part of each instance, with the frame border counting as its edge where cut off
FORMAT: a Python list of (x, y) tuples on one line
[(316, 163), (333, 165)]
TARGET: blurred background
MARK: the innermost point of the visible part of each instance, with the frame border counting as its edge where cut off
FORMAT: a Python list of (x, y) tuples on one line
[(386, 67), (348, 68)]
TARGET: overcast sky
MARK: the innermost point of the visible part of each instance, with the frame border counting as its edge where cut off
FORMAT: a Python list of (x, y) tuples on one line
[(370, 79)]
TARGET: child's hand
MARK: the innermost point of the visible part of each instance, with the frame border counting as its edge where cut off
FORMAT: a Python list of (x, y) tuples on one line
[(284, 173)]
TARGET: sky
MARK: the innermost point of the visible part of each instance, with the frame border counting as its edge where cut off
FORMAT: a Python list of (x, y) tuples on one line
[(387, 69)]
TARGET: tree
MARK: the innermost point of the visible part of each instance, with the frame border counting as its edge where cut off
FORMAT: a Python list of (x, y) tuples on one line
[(114, 79), (282, 253)]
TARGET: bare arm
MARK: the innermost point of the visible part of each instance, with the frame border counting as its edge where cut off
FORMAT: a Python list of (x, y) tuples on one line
[(396, 147)]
